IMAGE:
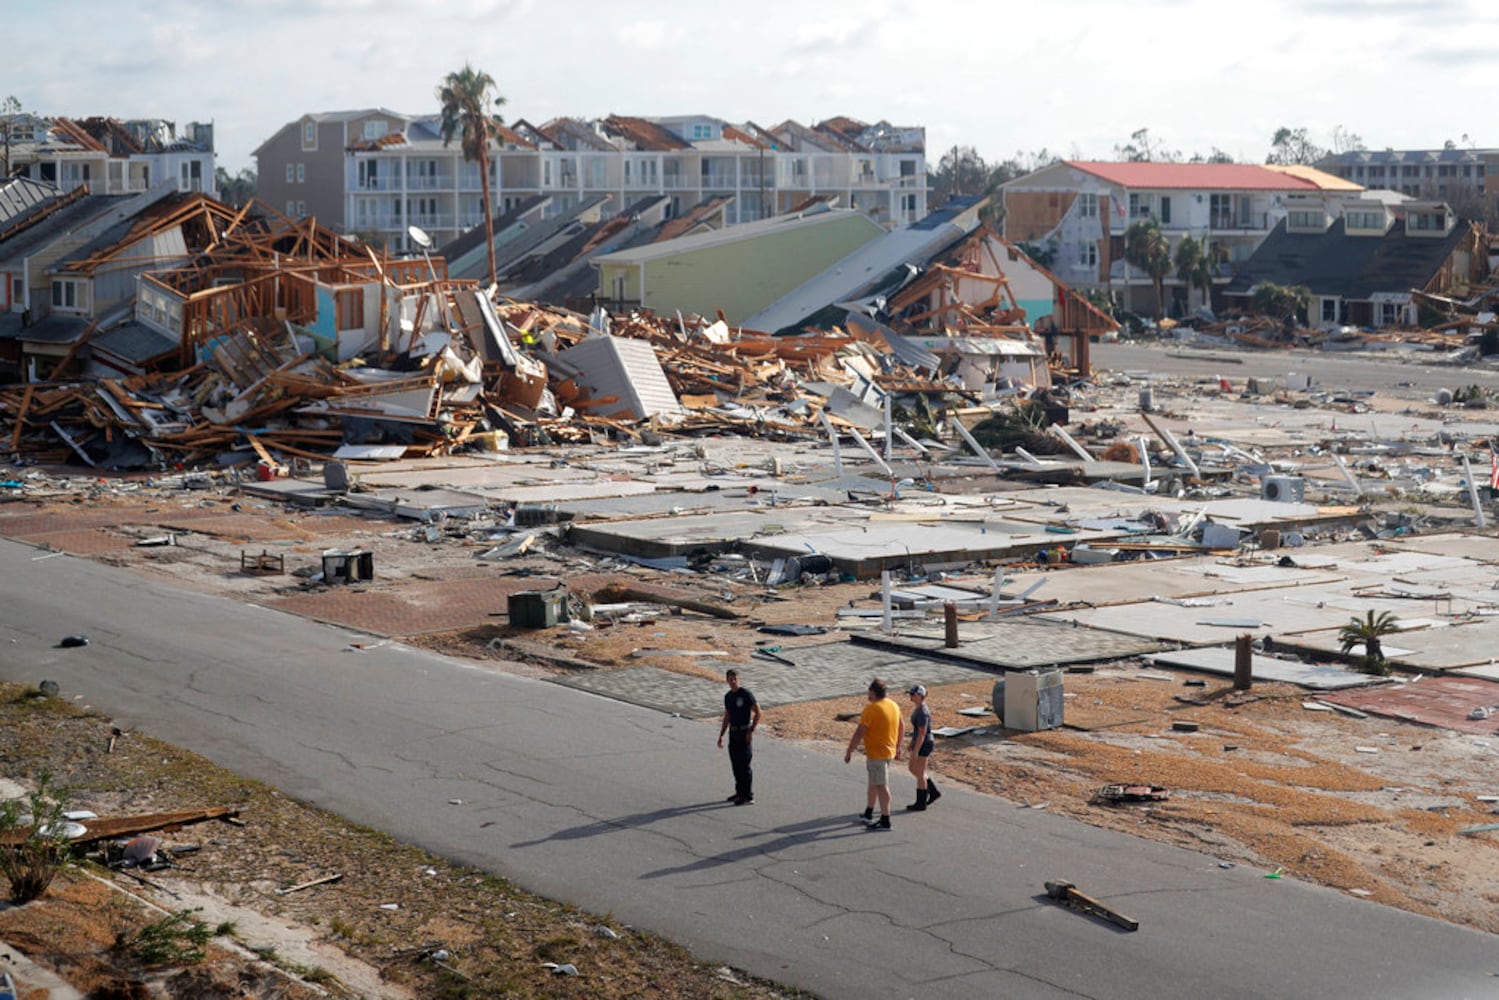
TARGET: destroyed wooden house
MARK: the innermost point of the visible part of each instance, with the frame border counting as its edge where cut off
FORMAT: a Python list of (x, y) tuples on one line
[(241, 336)]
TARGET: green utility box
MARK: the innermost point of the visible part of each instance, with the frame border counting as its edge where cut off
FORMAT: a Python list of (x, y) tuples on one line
[(538, 608)]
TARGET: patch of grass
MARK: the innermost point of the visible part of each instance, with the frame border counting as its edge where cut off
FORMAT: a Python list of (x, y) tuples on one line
[(177, 939), (558, 948)]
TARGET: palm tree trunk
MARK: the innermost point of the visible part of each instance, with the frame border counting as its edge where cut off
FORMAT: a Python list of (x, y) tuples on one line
[(494, 278)]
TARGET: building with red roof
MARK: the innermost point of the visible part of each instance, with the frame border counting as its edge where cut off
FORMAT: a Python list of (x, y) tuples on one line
[(1078, 210)]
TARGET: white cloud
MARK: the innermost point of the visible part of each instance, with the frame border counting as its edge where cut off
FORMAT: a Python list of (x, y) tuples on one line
[(651, 34), (999, 77)]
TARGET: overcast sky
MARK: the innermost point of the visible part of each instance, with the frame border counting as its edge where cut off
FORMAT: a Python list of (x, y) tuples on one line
[(1073, 76)]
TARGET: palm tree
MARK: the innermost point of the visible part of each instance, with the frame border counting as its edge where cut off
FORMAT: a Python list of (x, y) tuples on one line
[(1196, 261), (1188, 258), (1147, 248), (1366, 632), (465, 94), (1284, 302)]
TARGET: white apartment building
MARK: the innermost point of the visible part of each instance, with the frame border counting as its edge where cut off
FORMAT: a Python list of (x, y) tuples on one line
[(109, 155), (376, 173)]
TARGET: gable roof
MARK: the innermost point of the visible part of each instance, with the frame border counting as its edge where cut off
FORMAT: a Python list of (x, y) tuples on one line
[(1351, 267), (645, 134), (1193, 176), (884, 263), (735, 234)]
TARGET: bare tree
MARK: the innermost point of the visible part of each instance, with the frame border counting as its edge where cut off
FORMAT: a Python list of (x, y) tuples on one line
[(960, 171), (1141, 148), (10, 111), (1293, 146), (1345, 140)]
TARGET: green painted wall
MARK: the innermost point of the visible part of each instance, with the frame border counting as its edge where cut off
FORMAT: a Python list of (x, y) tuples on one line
[(743, 277), (607, 275)]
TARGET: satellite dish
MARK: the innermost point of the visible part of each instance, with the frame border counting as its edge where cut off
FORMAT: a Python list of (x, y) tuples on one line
[(419, 237)]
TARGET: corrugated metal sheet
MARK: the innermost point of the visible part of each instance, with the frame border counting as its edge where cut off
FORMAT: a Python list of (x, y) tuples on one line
[(992, 346)]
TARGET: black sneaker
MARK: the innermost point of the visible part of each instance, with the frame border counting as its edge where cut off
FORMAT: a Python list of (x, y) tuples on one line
[(733, 798), (883, 824), (916, 807), (867, 815), (932, 795)]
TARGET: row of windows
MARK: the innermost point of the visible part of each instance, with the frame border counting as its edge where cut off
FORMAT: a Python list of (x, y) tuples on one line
[(1378, 171), (296, 173), (296, 209)]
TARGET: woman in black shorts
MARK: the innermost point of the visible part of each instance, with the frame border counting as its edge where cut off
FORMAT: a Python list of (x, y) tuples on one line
[(921, 749)]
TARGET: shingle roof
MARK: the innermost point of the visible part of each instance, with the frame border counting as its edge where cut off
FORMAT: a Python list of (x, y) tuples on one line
[(134, 341), (1351, 267)]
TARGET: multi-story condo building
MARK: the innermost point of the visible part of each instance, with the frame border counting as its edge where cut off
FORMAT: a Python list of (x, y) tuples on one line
[(109, 155), (1079, 211), (376, 173), (1444, 174)]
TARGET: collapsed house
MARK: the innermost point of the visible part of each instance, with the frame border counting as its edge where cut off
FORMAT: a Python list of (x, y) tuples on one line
[(171, 329)]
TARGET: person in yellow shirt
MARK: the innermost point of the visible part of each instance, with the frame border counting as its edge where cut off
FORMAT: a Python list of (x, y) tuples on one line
[(881, 731)]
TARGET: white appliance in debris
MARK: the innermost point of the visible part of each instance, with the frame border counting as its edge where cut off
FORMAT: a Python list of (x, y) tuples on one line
[(1033, 700), (1283, 489)]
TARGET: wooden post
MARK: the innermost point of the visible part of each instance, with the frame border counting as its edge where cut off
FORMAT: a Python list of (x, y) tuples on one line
[(1243, 661), (950, 617)]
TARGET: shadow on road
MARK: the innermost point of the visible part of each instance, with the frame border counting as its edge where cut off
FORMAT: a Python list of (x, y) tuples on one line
[(824, 829), (603, 826)]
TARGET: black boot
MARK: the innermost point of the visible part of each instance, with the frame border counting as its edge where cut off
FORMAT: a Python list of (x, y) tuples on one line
[(932, 795), (920, 804)]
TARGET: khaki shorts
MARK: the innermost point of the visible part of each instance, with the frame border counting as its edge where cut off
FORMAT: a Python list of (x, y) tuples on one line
[(879, 770)]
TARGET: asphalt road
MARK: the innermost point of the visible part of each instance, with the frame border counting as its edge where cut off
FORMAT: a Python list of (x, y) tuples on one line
[(619, 809), (1351, 371)]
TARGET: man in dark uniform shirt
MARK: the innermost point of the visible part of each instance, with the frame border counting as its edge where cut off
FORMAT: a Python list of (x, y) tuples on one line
[(741, 714)]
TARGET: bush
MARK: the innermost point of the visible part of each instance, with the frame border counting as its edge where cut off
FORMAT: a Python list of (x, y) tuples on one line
[(178, 939), (31, 865)]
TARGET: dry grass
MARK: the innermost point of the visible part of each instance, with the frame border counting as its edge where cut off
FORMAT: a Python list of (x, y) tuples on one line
[(496, 934)]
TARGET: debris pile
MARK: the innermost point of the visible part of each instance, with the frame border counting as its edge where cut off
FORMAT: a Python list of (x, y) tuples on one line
[(284, 340)]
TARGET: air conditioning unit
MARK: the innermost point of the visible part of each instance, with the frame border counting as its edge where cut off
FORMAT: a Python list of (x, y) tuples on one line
[(1283, 489)]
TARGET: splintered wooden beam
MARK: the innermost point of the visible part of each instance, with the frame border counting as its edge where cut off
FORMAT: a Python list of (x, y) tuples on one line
[(106, 828), (15, 434)]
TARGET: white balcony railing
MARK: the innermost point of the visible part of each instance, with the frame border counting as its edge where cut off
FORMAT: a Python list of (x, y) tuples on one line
[(384, 221)]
